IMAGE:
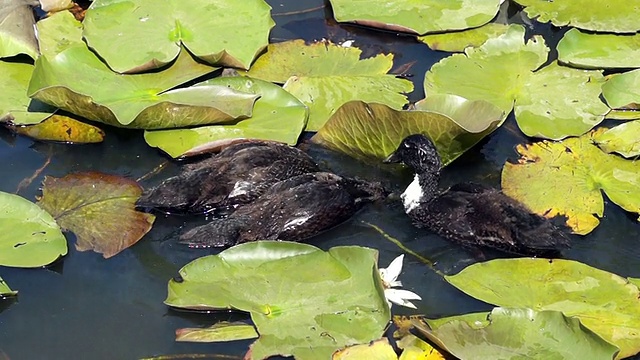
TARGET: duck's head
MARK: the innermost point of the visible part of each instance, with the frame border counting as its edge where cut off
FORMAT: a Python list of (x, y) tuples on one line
[(418, 152)]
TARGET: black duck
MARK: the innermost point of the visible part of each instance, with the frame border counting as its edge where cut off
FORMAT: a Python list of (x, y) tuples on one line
[(237, 175), (471, 214), (293, 209)]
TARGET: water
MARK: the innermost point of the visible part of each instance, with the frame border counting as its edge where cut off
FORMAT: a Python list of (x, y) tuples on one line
[(86, 307)]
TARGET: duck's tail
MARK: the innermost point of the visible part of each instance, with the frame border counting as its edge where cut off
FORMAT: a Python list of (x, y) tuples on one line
[(217, 233), (164, 197)]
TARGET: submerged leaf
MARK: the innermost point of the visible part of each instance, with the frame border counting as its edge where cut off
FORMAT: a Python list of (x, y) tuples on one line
[(277, 116), (61, 128), (15, 105), (604, 302), (623, 139), (458, 41), (304, 302), (374, 131), (528, 333), (588, 50), (324, 76), (567, 178), (17, 35), (149, 33), (222, 331), (29, 236), (417, 17), (5, 290), (98, 208)]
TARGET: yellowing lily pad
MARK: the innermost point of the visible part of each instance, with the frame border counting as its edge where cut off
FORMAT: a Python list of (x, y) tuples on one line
[(617, 16), (305, 302), (501, 72), (417, 17), (376, 350), (5, 290), (622, 91), (98, 208), (622, 139), (222, 331), (29, 236), (63, 129), (17, 35), (605, 303), (324, 76), (581, 49), (374, 131), (460, 40), (150, 34), (77, 81), (277, 116), (567, 178), (15, 106), (528, 333)]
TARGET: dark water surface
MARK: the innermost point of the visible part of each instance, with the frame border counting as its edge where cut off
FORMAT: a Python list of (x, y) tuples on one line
[(86, 307)]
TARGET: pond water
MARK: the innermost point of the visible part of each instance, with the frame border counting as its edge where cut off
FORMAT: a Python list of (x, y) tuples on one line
[(85, 307)]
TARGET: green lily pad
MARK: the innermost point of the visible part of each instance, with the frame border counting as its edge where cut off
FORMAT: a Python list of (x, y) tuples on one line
[(277, 115), (501, 72), (517, 333), (5, 290), (623, 114), (622, 139), (134, 101), (605, 303), (149, 33), (364, 130), (417, 16), (61, 128), (600, 51), (15, 106), (59, 32), (460, 40), (222, 331), (622, 91), (30, 237), (324, 76), (567, 178), (17, 35), (98, 208), (617, 16), (305, 302)]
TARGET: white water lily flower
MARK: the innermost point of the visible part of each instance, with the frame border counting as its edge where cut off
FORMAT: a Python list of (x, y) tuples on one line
[(389, 279)]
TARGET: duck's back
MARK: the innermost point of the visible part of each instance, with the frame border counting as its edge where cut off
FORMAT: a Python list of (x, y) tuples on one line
[(477, 216)]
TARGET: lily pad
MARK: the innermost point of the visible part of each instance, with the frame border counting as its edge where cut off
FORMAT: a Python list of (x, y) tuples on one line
[(501, 72), (622, 91), (5, 290), (15, 105), (623, 114), (605, 303), (460, 40), (611, 16), (98, 208), (324, 76), (622, 139), (374, 131), (376, 350), (63, 129), (17, 35), (222, 331), (517, 333), (305, 302), (414, 348), (134, 101), (602, 51), (149, 33), (567, 178), (417, 17), (277, 115), (30, 237), (59, 32), (55, 5)]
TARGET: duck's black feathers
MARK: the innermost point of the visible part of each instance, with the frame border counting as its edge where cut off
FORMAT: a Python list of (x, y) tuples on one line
[(237, 175), (475, 215), (293, 209)]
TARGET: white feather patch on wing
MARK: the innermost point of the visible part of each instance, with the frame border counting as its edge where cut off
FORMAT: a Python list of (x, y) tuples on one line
[(412, 196)]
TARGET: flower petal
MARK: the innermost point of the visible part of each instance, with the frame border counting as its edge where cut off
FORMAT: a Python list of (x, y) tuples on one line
[(401, 297)]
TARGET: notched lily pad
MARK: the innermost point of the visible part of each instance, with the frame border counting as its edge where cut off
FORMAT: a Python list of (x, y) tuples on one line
[(460, 40), (277, 116), (17, 35), (324, 76), (605, 303), (623, 139), (222, 331), (58, 32), (29, 236), (374, 131), (297, 295), (600, 51), (61, 128), (150, 34), (567, 178), (98, 208)]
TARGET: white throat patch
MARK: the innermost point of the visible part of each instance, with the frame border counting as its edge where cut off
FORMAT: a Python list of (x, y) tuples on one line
[(412, 196)]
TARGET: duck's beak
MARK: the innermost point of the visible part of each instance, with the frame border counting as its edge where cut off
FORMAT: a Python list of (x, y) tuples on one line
[(393, 158)]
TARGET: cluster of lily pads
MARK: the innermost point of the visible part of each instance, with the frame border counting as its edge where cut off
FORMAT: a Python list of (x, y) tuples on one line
[(163, 77)]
